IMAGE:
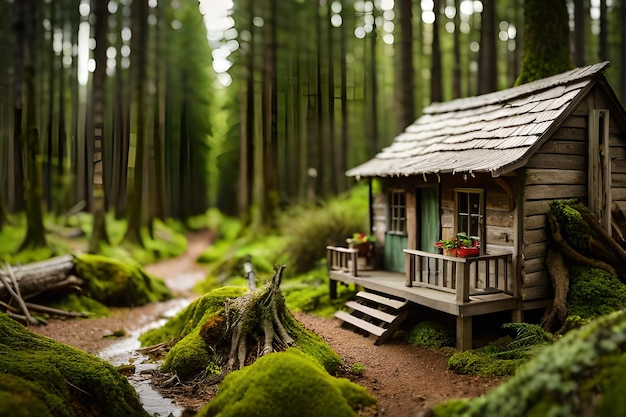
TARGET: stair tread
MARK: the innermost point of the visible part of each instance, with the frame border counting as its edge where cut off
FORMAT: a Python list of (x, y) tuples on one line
[(380, 315), (397, 304), (360, 323)]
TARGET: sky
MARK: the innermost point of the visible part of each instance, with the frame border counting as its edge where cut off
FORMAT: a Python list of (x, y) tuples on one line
[(221, 35)]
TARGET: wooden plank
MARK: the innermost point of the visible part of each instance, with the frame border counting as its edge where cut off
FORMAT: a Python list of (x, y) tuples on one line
[(618, 166), (570, 133), (555, 176), (361, 324), (575, 121), (618, 194), (463, 333), (543, 192), (537, 293), (389, 302), (532, 208), (557, 161), (378, 314), (535, 279), (618, 179), (535, 222), (534, 265), (565, 147), (534, 236), (535, 250)]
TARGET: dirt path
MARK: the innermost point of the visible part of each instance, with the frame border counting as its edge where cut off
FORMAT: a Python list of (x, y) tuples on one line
[(405, 379)]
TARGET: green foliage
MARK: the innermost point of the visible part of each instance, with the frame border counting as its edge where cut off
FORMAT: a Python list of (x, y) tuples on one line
[(579, 374), (309, 231), (594, 292), (41, 377), (116, 283), (430, 334), (503, 356), (573, 228), (308, 292), (357, 369), (286, 384)]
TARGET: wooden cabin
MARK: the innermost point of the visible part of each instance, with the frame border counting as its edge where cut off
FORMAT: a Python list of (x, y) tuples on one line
[(487, 166)]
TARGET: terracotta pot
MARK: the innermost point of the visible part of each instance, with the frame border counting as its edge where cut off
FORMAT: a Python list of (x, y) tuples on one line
[(450, 252), (465, 252)]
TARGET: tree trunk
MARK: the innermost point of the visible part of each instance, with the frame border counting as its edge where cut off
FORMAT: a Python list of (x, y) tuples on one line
[(487, 58), (98, 209), (26, 12)]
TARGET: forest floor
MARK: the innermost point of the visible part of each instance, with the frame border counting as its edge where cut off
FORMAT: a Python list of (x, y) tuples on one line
[(406, 380)]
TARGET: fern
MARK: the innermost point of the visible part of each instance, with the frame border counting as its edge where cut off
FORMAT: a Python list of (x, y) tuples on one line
[(527, 335)]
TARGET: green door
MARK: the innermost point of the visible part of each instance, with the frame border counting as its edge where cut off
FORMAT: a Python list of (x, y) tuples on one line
[(394, 256), (429, 218)]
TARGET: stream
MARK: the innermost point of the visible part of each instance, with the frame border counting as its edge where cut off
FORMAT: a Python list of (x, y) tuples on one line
[(124, 352)]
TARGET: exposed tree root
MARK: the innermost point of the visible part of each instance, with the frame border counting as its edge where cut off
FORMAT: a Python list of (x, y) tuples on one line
[(257, 317), (557, 313)]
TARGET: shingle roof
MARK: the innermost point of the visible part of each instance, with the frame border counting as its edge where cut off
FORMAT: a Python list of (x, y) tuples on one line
[(487, 133)]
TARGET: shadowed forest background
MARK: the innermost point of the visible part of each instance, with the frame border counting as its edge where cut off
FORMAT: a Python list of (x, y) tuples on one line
[(153, 110)]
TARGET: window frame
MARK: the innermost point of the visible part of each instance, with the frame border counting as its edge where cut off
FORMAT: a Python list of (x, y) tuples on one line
[(480, 215), (397, 212)]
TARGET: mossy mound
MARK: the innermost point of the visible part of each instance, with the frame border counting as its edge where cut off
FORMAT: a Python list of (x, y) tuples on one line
[(430, 334), (580, 374), (594, 292), (202, 341), (41, 377), (116, 283), (286, 384), (503, 356)]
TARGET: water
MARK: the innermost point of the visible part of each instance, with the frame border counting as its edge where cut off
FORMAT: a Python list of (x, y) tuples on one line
[(124, 352)]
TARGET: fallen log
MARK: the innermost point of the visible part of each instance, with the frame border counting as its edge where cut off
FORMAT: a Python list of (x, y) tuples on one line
[(38, 276)]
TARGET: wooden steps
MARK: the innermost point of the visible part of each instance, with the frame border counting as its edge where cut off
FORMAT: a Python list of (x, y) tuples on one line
[(374, 314)]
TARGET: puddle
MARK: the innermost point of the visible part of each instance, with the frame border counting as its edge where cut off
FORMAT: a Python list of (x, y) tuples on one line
[(123, 352)]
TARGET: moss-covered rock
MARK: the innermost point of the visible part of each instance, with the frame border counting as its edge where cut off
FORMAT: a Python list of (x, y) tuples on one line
[(580, 374), (286, 384), (116, 283), (41, 377), (594, 292)]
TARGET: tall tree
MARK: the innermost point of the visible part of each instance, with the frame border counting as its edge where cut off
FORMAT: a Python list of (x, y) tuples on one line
[(487, 57), (436, 77), (546, 40), (25, 24), (579, 33), (99, 233)]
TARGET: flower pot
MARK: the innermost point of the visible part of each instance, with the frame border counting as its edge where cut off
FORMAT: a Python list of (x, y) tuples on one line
[(465, 252), (450, 252)]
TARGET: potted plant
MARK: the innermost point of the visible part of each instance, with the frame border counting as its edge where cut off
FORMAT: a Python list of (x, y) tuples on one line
[(364, 243), (460, 245)]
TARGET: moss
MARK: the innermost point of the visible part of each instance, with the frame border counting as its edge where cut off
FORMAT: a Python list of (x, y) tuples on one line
[(195, 314), (503, 356), (579, 374), (286, 384), (58, 380), (573, 228), (116, 283), (594, 292), (80, 304), (430, 334), (198, 333)]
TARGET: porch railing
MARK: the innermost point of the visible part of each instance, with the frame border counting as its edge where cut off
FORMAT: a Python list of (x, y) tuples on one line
[(461, 276), (342, 259)]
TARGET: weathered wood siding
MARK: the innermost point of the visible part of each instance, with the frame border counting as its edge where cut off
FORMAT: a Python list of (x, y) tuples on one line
[(559, 170)]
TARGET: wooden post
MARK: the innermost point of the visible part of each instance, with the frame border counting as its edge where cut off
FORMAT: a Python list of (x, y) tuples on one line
[(409, 272), (462, 283), (463, 333)]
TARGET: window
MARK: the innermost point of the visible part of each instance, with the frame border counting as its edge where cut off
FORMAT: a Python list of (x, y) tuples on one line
[(469, 212), (397, 212)]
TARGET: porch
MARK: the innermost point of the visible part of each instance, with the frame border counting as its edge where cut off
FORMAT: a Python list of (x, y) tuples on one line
[(463, 287)]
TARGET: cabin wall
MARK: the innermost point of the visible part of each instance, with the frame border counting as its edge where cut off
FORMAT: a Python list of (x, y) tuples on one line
[(559, 170)]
